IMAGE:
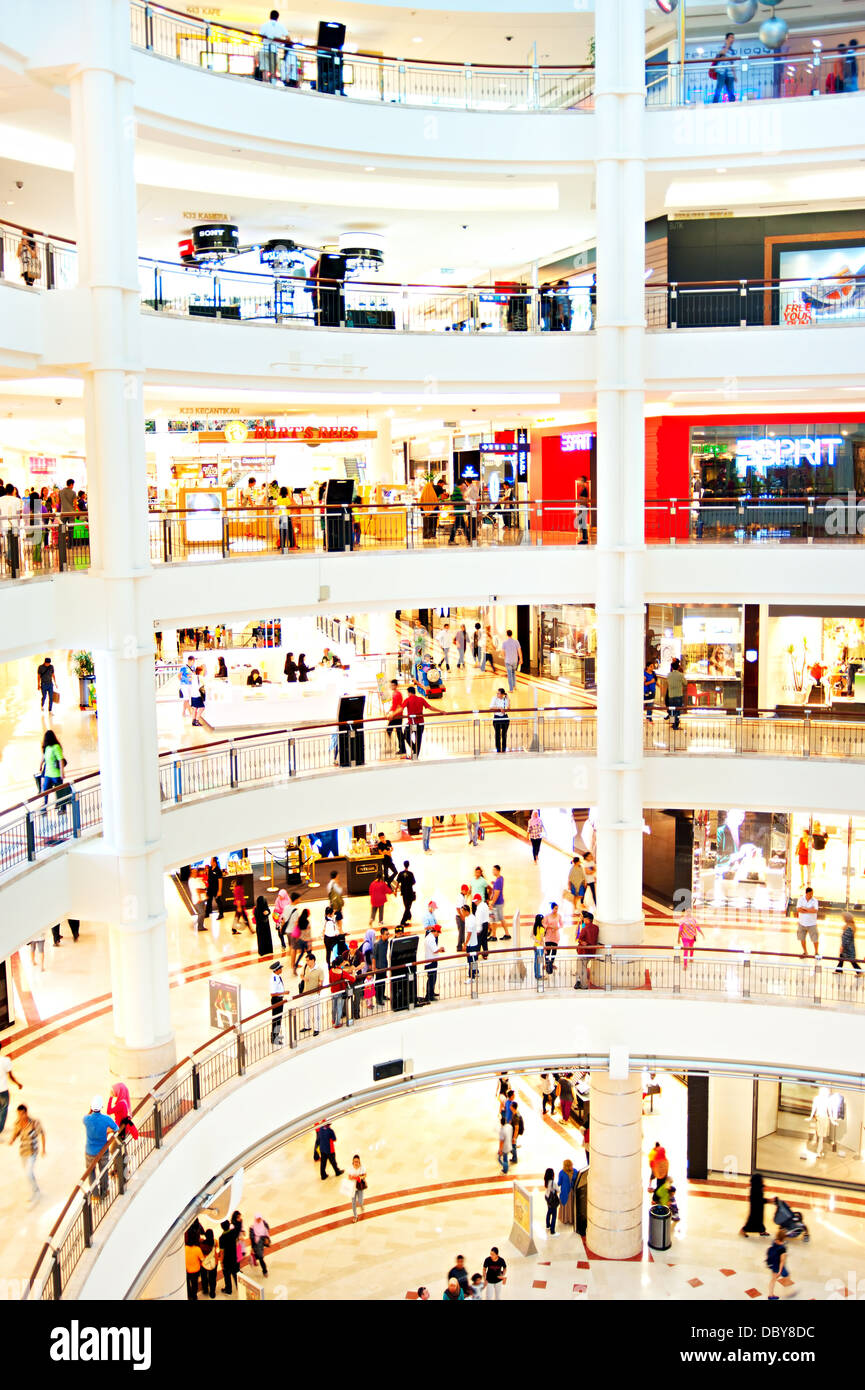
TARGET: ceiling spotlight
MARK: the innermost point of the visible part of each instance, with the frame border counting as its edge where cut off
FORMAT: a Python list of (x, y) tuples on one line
[(369, 168)]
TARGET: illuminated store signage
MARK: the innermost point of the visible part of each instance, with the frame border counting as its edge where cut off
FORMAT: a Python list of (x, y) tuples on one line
[(785, 452), (572, 443), (488, 448)]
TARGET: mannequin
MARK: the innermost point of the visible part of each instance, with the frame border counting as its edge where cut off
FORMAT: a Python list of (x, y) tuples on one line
[(820, 1114)]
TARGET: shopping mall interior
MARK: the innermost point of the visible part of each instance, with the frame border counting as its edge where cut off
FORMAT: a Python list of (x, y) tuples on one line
[(432, 678)]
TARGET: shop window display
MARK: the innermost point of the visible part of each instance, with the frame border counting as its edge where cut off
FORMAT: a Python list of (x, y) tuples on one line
[(776, 460), (809, 1131), (567, 644), (815, 660), (740, 860), (709, 642)]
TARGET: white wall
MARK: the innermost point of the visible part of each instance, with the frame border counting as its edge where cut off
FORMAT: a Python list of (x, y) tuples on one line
[(21, 340), (491, 1033), (730, 1111)]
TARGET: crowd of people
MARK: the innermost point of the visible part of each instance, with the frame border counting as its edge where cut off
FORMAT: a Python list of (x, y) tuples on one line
[(38, 516)]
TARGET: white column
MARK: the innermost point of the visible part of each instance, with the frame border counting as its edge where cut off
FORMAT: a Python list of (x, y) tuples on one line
[(381, 460), (105, 198), (619, 100), (168, 1281), (615, 1197)]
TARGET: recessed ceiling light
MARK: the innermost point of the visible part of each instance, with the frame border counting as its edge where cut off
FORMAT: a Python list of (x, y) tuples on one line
[(720, 171), (418, 38), (369, 168)]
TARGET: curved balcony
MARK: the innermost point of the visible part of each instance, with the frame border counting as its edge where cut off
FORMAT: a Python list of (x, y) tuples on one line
[(282, 781), (242, 53), (724, 986)]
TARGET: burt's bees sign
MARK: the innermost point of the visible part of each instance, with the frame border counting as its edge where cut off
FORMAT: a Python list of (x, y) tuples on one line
[(302, 434)]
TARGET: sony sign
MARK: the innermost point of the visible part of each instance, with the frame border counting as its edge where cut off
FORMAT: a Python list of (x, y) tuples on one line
[(784, 452)]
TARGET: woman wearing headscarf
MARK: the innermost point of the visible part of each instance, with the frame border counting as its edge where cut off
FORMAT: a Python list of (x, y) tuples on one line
[(119, 1104), (566, 1192), (755, 1225), (262, 927)]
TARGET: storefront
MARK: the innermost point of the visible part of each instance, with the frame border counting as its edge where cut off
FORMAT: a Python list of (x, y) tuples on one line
[(567, 644), (813, 658), (709, 640), (789, 1129)]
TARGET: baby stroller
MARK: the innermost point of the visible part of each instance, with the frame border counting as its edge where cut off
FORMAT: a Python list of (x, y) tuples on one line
[(790, 1222)]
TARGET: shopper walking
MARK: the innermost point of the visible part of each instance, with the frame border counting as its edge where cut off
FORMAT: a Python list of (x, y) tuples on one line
[(209, 1263), (548, 1094), (6, 1075), (460, 643), (590, 875), (379, 892), (311, 981), (326, 1142), (807, 909), (45, 683), (551, 1197), (473, 822), (686, 937), (776, 1259), (259, 1239), (722, 67), (194, 1257), (500, 706), (357, 1178), (240, 912), (755, 1224), (675, 692), (538, 944), (395, 717), (405, 882), (446, 637), (215, 883), (426, 832), (513, 655), (432, 951), (264, 937), (848, 946), (53, 761), (552, 936), (230, 1262), (506, 1139), (414, 709), (458, 507), (497, 904), (277, 1003), (495, 1274), (29, 1133), (381, 960), (535, 833), (479, 648), (97, 1127), (650, 685)]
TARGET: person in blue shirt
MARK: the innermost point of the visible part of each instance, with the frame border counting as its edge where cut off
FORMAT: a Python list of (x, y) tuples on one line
[(650, 682), (97, 1127)]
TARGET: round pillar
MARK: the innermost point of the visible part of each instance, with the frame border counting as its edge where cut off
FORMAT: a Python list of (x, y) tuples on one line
[(615, 1195)]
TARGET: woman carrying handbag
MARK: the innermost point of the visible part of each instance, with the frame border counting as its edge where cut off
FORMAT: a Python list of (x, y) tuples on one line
[(357, 1177)]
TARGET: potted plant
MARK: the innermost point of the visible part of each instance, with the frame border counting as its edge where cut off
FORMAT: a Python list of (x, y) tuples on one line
[(82, 664)]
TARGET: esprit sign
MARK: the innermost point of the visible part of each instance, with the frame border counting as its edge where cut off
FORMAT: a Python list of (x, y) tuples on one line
[(784, 452), (576, 442)]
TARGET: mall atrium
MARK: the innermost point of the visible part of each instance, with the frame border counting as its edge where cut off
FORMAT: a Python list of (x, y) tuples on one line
[(480, 389)]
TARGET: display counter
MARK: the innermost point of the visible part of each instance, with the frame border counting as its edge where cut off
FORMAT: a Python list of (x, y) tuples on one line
[(242, 875), (360, 873)]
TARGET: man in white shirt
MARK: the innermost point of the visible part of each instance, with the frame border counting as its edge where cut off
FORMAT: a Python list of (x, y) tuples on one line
[(506, 1141), (471, 493), (806, 914), (273, 31), (513, 655), (472, 944), (482, 918), (432, 950), (10, 508), (445, 639), (277, 1000)]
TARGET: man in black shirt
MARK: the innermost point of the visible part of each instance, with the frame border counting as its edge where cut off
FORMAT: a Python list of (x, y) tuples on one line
[(214, 888), (495, 1274), (45, 679), (380, 954), (405, 881), (384, 847), (228, 1246), (461, 1274)]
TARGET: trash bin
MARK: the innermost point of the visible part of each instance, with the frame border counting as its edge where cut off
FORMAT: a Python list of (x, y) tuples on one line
[(660, 1228)]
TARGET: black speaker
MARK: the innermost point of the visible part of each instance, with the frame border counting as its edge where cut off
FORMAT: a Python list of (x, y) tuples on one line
[(331, 34), (338, 516), (350, 742), (382, 1070), (329, 297), (403, 981)]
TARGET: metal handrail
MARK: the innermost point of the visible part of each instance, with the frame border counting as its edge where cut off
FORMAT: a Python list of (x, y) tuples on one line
[(734, 975)]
